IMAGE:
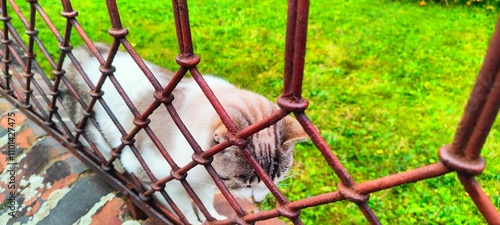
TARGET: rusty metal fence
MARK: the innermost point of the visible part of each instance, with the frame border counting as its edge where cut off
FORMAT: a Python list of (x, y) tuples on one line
[(27, 86)]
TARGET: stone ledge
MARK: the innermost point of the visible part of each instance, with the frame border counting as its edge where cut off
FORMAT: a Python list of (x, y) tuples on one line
[(52, 186)]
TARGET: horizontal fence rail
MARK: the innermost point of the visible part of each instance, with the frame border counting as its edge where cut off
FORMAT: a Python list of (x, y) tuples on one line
[(26, 85)]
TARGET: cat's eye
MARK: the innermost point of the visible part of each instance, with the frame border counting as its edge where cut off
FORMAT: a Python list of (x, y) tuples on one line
[(249, 186), (243, 177), (224, 178)]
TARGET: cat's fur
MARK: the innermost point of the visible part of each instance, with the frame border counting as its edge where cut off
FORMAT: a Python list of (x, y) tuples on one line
[(272, 146)]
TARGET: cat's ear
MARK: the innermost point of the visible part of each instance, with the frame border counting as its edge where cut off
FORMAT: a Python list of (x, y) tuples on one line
[(293, 132), (220, 133)]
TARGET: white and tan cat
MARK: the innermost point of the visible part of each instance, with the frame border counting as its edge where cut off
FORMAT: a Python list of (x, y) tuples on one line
[(272, 146)]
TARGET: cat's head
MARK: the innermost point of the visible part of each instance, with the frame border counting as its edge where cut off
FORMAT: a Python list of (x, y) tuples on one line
[(272, 147)]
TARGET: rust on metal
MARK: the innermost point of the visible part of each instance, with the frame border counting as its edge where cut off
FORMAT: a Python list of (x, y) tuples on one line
[(20, 84)]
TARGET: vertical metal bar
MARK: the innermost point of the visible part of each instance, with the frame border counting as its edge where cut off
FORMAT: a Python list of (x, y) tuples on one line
[(30, 55), (6, 60), (183, 27), (300, 47), (295, 48), (291, 99), (479, 94), (485, 121), (114, 15), (289, 47), (178, 29)]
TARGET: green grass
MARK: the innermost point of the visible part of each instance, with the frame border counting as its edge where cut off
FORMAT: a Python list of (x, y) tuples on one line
[(386, 80)]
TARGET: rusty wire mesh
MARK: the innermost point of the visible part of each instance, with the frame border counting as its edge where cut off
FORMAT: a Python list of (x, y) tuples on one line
[(39, 98)]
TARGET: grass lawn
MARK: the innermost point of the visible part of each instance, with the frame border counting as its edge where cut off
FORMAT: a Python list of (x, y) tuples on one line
[(387, 82)]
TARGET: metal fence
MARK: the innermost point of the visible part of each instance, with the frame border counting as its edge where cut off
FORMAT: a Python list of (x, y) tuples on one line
[(39, 97)]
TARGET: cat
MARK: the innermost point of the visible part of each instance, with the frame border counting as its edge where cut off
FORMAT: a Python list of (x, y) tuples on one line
[(272, 147)]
